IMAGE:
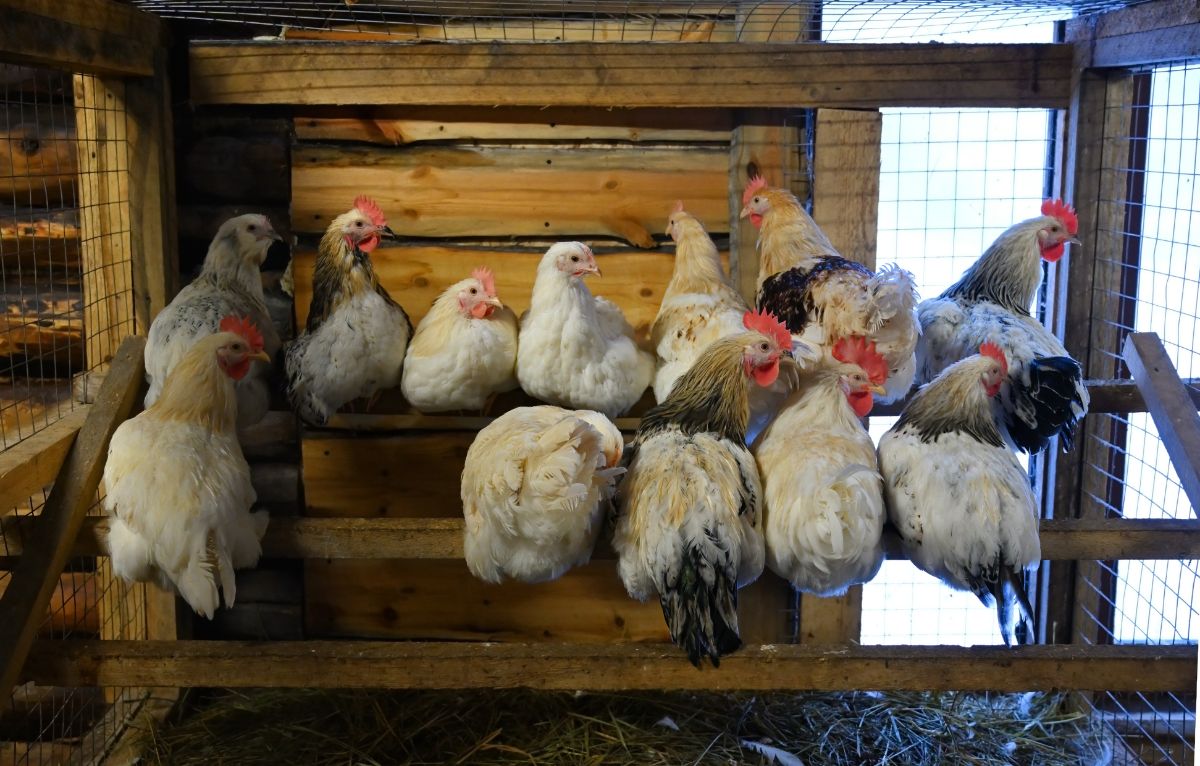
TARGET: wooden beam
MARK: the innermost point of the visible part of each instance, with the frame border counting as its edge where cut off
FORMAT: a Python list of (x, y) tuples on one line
[(30, 466), (1147, 33), (1170, 405), (474, 665), (35, 576), (94, 36), (723, 75), (441, 538)]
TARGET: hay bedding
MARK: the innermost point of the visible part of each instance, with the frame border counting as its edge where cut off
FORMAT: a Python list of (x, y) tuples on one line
[(361, 728)]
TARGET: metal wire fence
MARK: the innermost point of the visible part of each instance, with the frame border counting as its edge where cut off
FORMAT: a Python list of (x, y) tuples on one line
[(64, 211), (1151, 212)]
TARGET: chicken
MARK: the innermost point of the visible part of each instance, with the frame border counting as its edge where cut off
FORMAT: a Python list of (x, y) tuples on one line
[(700, 304), (229, 283), (177, 486), (465, 349), (356, 337), (689, 509), (1044, 395), (577, 350), (955, 491), (823, 297), (535, 488), (823, 496)]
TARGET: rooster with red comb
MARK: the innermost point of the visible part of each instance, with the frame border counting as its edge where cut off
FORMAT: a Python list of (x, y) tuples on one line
[(354, 343), (688, 527), (823, 496), (957, 494), (1043, 395), (177, 487)]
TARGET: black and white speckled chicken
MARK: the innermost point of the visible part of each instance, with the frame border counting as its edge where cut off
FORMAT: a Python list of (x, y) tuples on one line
[(229, 285)]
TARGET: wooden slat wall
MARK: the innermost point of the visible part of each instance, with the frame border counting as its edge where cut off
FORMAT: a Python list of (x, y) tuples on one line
[(464, 188)]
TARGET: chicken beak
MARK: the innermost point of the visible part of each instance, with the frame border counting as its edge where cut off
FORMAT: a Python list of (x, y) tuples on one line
[(275, 237), (1072, 241), (877, 390), (261, 356), (493, 301), (745, 212), (386, 232), (594, 269)]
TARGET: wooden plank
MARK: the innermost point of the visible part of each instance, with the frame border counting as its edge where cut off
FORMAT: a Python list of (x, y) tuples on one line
[(104, 162), (27, 753), (416, 125), (39, 241), (846, 207), (94, 36), (154, 244), (500, 192), (722, 75), (415, 276), (33, 579), (41, 323), (530, 30), (846, 180), (1171, 407), (439, 599), (28, 467), (245, 164), (451, 665), (1147, 33), (391, 537), (762, 143), (37, 159)]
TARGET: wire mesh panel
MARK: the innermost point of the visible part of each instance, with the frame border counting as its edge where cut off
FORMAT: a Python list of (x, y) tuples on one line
[(1150, 212), (65, 273), (625, 20)]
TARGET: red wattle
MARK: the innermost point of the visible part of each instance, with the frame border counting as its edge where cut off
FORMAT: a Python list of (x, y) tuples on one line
[(766, 375), (861, 402), (482, 310), (236, 371), (369, 243), (1054, 252), (756, 219)]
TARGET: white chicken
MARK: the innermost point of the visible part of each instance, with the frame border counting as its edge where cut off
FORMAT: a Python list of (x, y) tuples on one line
[(354, 343), (955, 491), (689, 510), (177, 486), (699, 306), (465, 349), (823, 496), (535, 487), (575, 349), (229, 284)]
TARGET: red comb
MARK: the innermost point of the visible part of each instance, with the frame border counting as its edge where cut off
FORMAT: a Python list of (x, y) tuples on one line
[(678, 206), (757, 184), (995, 352), (367, 207), (244, 327), (766, 323), (487, 278), (1063, 212), (856, 350)]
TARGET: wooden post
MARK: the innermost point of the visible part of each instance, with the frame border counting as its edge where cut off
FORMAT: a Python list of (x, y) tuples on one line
[(846, 207), (763, 143), (24, 602)]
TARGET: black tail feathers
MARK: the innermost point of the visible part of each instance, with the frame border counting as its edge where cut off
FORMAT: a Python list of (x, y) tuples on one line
[(702, 618), (1005, 592), (1050, 405)]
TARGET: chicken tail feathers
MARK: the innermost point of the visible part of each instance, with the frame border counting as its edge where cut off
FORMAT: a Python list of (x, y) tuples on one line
[(1008, 591), (701, 617), (893, 292), (1052, 404)]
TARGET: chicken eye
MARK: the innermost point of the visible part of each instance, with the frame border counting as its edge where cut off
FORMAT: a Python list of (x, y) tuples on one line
[(251, 227), (574, 258), (474, 291), (764, 346), (358, 224), (756, 199)]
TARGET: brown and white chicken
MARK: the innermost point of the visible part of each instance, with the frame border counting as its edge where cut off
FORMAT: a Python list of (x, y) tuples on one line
[(576, 349), (354, 343), (690, 508), (535, 488), (1044, 395), (955, 492), (177, 488), (823, 297), (823, 496), (699, 306), (464, 350), (229, 284)]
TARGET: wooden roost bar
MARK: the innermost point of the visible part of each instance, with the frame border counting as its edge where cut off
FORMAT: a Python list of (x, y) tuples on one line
[(480, 152)]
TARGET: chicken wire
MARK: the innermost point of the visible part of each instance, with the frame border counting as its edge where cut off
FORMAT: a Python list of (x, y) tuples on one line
[(1152, 209), (628, 20), (64, 208)]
